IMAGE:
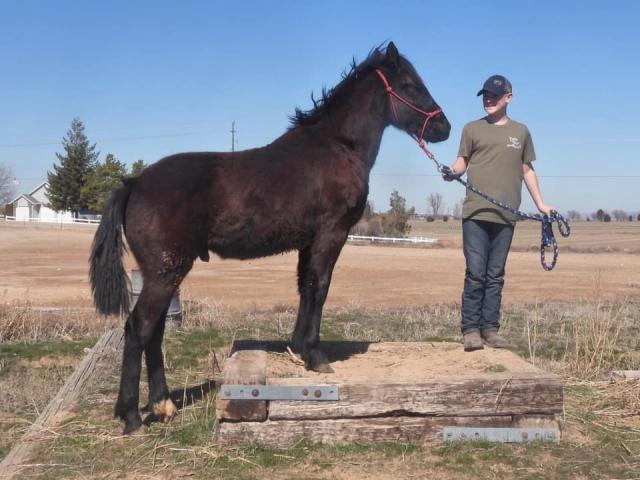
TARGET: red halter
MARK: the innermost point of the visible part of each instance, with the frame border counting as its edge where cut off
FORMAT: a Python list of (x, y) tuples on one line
[(428, 115)]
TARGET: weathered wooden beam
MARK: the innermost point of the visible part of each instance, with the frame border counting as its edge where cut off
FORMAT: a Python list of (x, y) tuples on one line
[(284, 433), (243, 367), (625, 375), (490, 394), (107, 346)]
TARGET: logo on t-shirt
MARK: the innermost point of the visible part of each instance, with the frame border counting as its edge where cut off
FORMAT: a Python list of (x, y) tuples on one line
[(514, 143)]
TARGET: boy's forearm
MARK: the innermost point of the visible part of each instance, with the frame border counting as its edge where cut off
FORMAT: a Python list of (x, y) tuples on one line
[(459, 166), (531, 181)]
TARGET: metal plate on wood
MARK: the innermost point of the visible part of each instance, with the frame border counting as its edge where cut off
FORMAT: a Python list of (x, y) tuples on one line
[(503, 435), (316, 393)]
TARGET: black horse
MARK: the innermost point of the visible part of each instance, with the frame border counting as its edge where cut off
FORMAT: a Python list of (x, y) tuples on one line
[(304, 191)]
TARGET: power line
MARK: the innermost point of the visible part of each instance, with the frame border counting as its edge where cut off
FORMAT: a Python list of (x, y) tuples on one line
[(114, 139), (539, 176), (437, 175)]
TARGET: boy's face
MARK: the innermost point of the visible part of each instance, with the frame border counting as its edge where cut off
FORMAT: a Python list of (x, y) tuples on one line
[(493, 103)]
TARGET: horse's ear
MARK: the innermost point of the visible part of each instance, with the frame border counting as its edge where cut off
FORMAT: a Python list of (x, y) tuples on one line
[(393, 56)]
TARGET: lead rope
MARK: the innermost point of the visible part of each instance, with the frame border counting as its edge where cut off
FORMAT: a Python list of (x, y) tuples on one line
[(547, 238)]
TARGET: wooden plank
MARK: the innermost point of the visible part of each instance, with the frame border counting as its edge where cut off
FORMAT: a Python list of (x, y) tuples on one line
[(243, 367), (108, 345), (625, 375), (284, 433), (490, 394), (535, 421)]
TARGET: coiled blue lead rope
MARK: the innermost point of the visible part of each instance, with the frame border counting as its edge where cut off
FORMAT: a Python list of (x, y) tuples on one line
[(547, 237)]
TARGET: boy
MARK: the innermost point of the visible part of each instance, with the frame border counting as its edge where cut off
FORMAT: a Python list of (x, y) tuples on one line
[(496, 152)]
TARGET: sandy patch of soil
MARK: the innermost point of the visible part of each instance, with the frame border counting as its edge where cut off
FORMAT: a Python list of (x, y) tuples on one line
[(415, 362)]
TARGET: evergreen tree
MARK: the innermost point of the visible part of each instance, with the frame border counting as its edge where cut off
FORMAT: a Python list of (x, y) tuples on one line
[(396, 221), (137, 167), (101, 181), (68, 178)]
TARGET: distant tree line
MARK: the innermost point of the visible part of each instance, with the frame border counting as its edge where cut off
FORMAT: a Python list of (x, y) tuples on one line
[(601, 215), (80, 182), (394, 222)]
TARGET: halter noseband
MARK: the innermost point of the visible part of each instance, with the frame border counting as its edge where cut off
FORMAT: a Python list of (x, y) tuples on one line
[(428, 115)]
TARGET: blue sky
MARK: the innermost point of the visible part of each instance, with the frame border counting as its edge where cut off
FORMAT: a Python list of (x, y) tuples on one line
[(153, 78)]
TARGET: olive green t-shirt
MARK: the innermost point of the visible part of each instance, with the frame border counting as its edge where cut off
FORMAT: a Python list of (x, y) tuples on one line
[(495, 154)]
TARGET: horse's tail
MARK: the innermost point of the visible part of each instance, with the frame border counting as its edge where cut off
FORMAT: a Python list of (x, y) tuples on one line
[(109, 281)]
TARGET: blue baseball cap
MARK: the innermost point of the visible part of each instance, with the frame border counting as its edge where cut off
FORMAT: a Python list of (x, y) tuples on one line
[(496, 84)]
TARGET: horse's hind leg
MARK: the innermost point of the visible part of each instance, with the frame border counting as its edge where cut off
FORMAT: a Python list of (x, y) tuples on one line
[(159, 402), (127, 404), (144, 331)]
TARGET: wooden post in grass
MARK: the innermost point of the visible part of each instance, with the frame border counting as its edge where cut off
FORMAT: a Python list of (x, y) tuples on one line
[(109, 344)]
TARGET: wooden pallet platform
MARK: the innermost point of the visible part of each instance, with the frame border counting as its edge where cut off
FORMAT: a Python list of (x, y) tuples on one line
[(388, 392)]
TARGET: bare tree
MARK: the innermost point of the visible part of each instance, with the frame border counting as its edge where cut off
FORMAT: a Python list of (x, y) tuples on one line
[(6, 186), (574, 215), (434, 201), (456, 211), (619, 215)]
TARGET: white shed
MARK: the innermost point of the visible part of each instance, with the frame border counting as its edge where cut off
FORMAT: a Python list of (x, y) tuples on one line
[(34, 206)]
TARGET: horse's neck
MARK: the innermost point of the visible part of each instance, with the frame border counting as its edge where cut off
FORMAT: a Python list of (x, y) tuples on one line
[(361, 120)]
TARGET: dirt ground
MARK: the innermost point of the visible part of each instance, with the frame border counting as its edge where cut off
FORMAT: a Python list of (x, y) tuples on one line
[(46, 265)]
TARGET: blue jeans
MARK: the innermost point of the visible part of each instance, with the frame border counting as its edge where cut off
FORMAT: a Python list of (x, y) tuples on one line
[(486, 246)]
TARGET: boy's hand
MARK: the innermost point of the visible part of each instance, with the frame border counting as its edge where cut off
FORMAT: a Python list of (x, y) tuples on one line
[(447, 174), (546, 209)]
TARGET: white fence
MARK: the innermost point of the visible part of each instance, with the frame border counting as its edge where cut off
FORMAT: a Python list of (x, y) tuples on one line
[(88, 221), (393, 239), (71, 221)]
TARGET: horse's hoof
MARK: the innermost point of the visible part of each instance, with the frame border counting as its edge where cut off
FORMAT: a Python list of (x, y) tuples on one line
[(131, 418), (165, 409), (131, 427), (318, 362), (323, 368)]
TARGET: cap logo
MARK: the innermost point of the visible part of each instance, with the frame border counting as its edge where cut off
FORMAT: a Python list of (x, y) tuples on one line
[(497, 82)]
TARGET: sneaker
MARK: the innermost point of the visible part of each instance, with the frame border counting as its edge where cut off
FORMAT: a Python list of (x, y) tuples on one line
[(472, 341), (494, 340)]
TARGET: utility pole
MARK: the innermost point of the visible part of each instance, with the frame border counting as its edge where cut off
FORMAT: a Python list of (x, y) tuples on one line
[(233, 136)]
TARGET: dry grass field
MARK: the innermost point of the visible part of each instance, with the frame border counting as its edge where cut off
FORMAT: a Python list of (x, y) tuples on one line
[(47, 266), (580, 321)]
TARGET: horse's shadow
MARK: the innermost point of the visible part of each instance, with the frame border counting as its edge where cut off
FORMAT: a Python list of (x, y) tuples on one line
[(335, 350)]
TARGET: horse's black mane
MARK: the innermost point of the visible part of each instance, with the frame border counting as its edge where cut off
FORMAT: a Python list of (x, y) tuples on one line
[(329, 97)]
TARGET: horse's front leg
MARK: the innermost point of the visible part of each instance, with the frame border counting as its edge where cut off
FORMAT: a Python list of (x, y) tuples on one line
[(304, 289), (323, 256)]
